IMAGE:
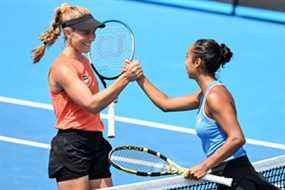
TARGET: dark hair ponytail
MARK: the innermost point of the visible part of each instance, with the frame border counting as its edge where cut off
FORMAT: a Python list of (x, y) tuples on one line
[(212, 54), (226, 54)]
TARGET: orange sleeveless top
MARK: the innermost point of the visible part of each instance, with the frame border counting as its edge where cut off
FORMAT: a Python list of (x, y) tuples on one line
[(69, 115)]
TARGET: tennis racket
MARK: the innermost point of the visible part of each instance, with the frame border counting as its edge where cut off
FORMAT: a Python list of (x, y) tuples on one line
[(113, 45), (143, 161)]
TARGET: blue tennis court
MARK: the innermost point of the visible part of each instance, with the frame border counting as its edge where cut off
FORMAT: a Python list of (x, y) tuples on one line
[(163, 33)]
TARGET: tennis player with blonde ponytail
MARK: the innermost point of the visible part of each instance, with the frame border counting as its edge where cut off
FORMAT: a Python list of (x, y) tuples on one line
[(79, 152)]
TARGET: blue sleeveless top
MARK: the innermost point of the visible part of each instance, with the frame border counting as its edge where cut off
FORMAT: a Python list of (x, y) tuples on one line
[(211, 134)]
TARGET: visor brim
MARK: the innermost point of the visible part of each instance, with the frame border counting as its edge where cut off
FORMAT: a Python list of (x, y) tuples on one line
[(86, 22), (90, 24)]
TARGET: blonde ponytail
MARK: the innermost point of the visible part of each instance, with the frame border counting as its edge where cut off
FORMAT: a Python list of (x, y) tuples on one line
[(48, 38), (63, 13)]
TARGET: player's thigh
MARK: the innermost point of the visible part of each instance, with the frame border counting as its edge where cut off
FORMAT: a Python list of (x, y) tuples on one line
[(99, 173), (100, 183), (81, 183), (100, 164)]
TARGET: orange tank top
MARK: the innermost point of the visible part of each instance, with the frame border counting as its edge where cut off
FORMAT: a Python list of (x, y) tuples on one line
[(69, 115)]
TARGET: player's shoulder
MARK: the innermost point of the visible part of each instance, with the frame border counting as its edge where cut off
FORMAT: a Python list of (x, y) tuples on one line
[(218, 95), (65, 64)]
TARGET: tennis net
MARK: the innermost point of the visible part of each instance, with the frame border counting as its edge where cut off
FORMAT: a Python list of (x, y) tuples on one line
[(272, 169)]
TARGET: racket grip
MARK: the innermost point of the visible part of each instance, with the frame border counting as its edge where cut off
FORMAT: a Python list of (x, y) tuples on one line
[(218, 179), (111, 120)]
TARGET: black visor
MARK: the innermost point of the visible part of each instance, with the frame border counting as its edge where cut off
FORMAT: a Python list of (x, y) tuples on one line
[(86, 22)]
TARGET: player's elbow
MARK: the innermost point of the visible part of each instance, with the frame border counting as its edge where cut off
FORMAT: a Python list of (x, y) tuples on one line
[(242, 141), (164, 109), (238, 141), (165, 106)]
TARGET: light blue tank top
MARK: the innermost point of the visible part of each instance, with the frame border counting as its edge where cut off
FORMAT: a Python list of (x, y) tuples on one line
[(211, 134)]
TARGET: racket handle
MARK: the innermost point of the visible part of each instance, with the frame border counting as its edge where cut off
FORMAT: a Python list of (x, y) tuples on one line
[(218, 179), (111, 120)]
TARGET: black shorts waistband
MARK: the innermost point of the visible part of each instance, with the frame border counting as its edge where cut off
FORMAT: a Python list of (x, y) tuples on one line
[(241, 159), (237, 164), (79, 132)]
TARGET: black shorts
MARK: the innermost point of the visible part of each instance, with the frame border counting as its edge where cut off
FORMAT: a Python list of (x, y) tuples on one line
[(244, 173), (77, 153)]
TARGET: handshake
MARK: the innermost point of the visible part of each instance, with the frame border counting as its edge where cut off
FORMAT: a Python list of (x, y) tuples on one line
[(132, 70)]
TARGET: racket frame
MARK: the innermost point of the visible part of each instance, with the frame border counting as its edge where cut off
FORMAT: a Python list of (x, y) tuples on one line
[(131, 57), (111, 109), (173, 168)]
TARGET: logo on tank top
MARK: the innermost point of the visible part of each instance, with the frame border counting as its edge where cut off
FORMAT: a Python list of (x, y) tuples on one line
[(85, 79)]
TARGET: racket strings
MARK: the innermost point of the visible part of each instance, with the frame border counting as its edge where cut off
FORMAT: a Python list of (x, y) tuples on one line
[(113, 48), (109, 68), (139, 161), (113, 45)]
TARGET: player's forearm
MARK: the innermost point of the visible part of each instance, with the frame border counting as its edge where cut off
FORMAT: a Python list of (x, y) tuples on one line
[(154, 94), (105, 97), (228, 148)]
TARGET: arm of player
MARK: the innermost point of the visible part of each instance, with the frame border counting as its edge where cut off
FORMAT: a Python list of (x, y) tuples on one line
[(166, 103), (222, 109), (162, 101), (68, 79)]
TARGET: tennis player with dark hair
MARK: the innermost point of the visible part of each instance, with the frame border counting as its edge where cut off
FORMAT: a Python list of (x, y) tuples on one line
[(216, 123), (79, 153)]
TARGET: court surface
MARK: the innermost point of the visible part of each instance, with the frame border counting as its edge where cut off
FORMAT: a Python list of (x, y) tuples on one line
[(254, 76)]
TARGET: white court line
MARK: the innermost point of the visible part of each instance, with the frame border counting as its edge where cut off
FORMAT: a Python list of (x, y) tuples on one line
[(24, 142), (138, 122)]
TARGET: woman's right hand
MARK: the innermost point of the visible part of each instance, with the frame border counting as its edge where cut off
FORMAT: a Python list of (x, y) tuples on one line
[(197, 172), (132, 70)]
